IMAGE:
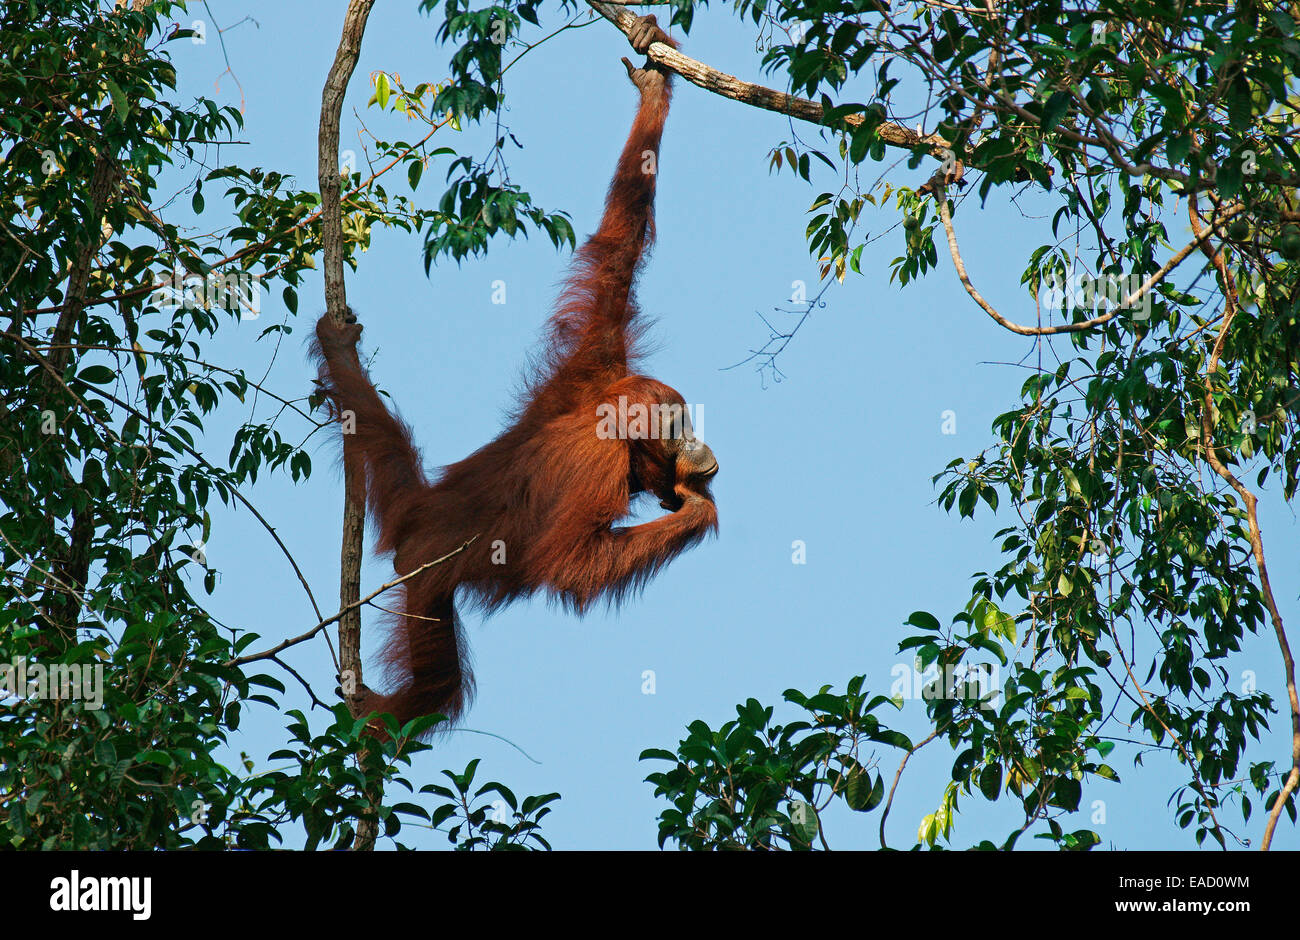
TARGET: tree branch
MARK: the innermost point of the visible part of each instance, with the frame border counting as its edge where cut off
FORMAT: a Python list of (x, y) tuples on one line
[(728, 86), (945, 217), (1256, 537), (336, 305), (884, 814)]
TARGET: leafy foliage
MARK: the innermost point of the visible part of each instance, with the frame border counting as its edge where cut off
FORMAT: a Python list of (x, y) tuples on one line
[(505, 824), (752, 784), (1133, 463)]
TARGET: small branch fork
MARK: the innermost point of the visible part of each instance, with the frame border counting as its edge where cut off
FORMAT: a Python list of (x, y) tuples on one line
[(274, 651)]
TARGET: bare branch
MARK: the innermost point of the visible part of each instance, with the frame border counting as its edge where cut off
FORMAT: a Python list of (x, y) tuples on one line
[(728, 86), (336, 84), (884, 813), (945, 217), (336, 303)]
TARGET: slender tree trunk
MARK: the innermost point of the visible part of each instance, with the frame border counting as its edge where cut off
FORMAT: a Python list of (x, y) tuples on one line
[(336, 304)]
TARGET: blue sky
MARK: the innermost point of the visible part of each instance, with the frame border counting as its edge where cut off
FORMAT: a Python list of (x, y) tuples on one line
[(839, 454)]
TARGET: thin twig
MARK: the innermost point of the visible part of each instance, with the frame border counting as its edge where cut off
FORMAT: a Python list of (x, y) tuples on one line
[(303, 637), (884, 815)]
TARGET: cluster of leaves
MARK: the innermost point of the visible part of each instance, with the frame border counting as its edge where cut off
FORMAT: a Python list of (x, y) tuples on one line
[(104, 496), (473, 209), (505, 824), (480, 200), (328, 812), (1032, 739), (480, 36), (752, 784), (98, 483)]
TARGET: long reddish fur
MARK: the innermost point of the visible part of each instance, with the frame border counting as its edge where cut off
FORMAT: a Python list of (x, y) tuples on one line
[(548, 487)]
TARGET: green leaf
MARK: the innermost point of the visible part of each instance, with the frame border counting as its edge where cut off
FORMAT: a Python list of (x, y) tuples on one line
[(924, 621), (1283, 21), (803, 821), (990, 782), (1054, 110), (120, 107), (858, 788), (655, 753), (1239, 104), (98, 375)]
